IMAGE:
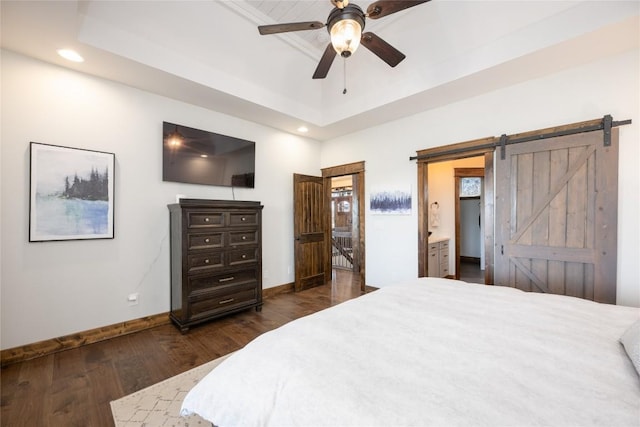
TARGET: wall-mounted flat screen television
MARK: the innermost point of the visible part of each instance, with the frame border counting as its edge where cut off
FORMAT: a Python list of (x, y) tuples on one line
[(196, 156)]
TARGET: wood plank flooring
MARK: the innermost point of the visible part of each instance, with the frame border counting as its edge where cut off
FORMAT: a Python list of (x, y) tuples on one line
[(470, 272), (74, 387)]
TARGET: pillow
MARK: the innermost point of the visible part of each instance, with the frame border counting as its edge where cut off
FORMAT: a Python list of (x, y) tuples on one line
[(631, 342)]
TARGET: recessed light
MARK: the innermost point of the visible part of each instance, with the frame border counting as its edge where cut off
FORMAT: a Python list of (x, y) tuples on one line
[(303, 129), (204, 156), (71, 55)]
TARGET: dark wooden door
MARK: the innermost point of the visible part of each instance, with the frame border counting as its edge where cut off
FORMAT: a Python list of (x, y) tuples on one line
[(556, 216), (311, 245)]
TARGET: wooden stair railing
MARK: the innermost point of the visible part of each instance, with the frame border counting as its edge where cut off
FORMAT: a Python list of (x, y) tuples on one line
[(338, 241)]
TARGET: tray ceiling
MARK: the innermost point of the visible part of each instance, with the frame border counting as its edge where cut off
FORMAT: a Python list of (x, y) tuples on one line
[(209, 53)]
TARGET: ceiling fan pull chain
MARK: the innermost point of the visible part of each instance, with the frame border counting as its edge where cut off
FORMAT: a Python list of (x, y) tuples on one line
[(344, 91)]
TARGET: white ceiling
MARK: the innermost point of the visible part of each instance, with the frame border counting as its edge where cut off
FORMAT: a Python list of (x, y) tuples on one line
[(209, 52)]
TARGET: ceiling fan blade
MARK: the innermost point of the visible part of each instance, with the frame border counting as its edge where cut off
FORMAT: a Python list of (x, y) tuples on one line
[(387, 7), (382, 49), (325, 62), (293, 26)]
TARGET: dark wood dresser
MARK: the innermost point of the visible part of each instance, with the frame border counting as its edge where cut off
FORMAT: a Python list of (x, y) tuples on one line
[(216, 259)]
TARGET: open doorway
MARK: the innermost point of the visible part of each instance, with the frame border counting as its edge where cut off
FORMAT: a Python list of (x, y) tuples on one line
[(345, 261), (343, 256), (344, 186), (443, 225), (312, 221), (469, 224)]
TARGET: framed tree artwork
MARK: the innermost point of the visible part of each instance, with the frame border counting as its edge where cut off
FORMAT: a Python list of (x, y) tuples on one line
[(390, 201), (71, 193)]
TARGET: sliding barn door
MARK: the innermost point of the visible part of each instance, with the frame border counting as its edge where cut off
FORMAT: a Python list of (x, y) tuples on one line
[(556, 216), (312, 264)]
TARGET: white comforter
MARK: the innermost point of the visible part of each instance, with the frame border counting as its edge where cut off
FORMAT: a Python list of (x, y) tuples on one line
[(433, 352)]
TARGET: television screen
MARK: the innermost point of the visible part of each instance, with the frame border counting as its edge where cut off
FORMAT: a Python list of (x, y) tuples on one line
[(196, 156)]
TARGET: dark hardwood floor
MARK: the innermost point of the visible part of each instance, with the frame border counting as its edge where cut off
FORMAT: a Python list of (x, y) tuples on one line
[(74, 387), (470, 272)]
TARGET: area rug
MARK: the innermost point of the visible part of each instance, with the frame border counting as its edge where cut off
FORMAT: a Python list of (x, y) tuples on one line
[(159, 405)]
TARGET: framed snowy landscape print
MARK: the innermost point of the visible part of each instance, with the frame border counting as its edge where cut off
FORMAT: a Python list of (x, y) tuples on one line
[(390, 201), (71, 193)]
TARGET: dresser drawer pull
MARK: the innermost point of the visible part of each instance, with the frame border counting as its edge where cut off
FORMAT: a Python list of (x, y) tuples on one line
[(206, 240), (226, 279), (244, 237), (206, 219), (244, 256), (226, 301), (243, 219), (206, 261)]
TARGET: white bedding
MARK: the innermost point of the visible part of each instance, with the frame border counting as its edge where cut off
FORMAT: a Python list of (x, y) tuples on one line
[(433, 352)]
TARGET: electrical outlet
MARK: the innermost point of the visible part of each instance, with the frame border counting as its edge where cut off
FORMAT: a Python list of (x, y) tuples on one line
[(133, 299)]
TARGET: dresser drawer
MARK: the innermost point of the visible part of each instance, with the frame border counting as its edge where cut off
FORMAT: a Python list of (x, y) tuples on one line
[(205, 241), (243, 256), (203, 219), (227, 299), (205, 261), (249, 237), (207, 283), (240, 219)]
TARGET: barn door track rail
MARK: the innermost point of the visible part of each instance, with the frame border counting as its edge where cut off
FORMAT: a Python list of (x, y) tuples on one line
[(605, 124)]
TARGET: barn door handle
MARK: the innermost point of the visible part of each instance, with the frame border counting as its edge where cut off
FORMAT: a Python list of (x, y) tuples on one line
[(297, 237), (501, 249)]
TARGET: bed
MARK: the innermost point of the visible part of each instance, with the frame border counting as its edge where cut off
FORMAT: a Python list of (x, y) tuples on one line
[(434, 352)]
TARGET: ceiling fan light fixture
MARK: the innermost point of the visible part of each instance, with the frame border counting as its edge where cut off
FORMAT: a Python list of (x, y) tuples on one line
[(345, 37), (345, 27)]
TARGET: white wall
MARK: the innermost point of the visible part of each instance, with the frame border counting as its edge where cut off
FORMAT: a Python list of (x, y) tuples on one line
[(608, 86), (52, 289), (470, 231), (56, 288)]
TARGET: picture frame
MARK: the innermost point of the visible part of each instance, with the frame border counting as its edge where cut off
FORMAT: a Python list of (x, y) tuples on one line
[(393, 201), (71, 193)]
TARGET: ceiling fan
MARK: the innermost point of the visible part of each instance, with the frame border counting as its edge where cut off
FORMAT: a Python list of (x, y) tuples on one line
[(345, 24)]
